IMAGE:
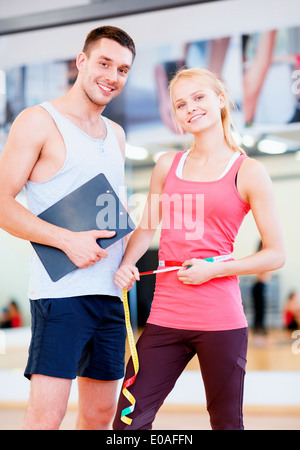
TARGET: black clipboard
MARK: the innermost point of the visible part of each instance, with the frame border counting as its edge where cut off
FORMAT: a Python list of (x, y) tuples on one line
[(94, 205)]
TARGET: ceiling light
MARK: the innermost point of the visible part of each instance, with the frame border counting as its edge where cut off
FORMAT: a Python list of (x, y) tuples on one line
[(136, 153), (297, 156), (248, 140), (272, 147)]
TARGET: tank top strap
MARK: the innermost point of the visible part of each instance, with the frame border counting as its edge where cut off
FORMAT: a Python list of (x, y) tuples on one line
[(109, 128), (58, 118), (175, 163), (232, 172)]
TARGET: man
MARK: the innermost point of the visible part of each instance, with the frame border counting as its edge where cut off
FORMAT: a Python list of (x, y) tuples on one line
[(78, 321)]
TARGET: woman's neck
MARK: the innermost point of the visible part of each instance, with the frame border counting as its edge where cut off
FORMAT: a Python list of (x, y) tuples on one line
[(210, 145)]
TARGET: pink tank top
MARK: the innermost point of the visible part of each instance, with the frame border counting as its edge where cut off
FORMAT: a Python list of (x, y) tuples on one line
[(199, 220)]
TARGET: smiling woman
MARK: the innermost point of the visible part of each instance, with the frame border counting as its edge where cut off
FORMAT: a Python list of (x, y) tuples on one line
[(210, 89), (198, 308)]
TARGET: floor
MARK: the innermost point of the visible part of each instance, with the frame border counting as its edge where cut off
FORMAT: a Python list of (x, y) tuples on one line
[(12, 419), (277, 353)]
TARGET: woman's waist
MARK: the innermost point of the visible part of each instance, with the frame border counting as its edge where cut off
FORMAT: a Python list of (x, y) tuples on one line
[(172, 256)]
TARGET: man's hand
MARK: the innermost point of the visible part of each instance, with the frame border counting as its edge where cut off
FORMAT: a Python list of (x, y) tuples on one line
[(82, 248)]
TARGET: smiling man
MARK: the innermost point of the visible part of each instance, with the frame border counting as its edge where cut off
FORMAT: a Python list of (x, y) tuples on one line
[(77, 322)]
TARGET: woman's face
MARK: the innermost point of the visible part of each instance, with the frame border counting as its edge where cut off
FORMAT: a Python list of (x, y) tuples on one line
[(197, 107)]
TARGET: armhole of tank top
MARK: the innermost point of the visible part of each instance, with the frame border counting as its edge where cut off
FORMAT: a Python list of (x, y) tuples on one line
[(52, 113), (243, 157), (238, 162), (111, 131)]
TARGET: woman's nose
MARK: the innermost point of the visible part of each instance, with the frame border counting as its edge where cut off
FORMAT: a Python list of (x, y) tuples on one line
[(192, 107)]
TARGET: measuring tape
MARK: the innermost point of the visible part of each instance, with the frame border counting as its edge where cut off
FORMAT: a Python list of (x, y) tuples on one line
[(135, 360), (167, 266)]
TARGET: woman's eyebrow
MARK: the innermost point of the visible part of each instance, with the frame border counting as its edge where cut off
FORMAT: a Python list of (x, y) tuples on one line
[(191, 95)]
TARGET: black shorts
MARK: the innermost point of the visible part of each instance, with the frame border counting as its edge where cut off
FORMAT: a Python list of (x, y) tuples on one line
[(83, 336)]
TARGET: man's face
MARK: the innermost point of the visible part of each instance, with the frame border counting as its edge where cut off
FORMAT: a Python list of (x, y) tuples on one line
[(104, 71)]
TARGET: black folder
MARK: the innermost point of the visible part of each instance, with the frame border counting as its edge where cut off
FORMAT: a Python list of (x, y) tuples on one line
[(94, 205)]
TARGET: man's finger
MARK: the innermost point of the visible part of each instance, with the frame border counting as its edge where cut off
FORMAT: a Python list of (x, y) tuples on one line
[(105, 233)]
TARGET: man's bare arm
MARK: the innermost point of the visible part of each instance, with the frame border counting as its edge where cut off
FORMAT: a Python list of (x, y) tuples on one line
[(25, 143)]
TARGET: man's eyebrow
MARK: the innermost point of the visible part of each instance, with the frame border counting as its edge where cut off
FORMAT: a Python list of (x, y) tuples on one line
[(106, 58)]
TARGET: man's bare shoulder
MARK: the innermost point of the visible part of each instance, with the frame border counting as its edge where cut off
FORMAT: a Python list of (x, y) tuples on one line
[(32, 127), (32, 117)]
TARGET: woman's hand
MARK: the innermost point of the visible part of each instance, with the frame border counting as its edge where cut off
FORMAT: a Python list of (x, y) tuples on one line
[(200, 271), (126, 275)]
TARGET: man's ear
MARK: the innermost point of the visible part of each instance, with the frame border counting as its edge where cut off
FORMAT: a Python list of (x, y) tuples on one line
[(80, 60)]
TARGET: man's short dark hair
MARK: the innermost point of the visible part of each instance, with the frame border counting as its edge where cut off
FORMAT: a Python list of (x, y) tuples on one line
[(109, 32)]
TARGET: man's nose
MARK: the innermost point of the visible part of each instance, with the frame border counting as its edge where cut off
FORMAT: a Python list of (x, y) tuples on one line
[(112, 75)]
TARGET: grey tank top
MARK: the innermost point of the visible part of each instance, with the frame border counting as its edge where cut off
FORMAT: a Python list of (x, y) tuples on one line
[(85, 158)]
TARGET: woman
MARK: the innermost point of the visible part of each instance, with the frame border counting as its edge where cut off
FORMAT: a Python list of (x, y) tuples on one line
[(201, 196), (292, 312)]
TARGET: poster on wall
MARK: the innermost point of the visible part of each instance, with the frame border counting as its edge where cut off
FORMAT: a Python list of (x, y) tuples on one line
[(257, 68), (271, 60), (148, 110)]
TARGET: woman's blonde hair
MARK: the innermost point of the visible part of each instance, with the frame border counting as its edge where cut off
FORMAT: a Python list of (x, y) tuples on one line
[(212, 81)]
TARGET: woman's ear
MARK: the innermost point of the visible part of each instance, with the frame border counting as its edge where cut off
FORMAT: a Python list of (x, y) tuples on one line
[(222, 100)]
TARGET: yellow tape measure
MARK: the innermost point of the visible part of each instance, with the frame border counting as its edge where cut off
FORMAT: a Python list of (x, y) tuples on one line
[(135, 360)]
